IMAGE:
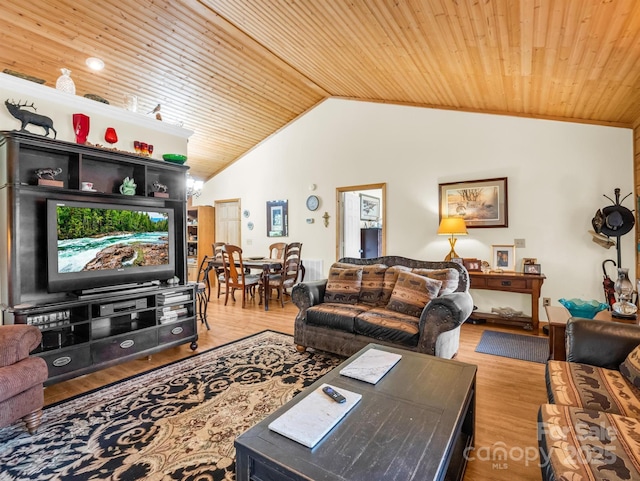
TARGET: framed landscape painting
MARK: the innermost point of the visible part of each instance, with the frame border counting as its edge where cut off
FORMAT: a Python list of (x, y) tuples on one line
[(481, 203)]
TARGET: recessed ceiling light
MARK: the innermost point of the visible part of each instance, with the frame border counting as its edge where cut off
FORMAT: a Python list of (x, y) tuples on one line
[(94, 63)]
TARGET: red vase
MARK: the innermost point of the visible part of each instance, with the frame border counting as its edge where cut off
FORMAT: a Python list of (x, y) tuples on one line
[(81, 127), (110, 135)]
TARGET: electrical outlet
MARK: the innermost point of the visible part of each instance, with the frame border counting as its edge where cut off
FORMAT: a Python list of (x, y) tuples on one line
[(519, 243), (546, 301)]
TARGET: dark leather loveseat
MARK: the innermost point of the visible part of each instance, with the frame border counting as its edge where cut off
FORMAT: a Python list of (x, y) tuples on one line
[(591, 428), (385, 300)]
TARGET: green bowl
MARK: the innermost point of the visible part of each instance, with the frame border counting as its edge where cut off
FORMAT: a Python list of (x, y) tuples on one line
[(175, 158)]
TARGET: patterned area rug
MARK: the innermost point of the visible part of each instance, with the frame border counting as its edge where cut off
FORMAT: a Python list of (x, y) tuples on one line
[(515, 346), (176, 422)]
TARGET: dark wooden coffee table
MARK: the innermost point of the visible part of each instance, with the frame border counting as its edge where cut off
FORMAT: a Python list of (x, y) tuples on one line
[(415, 424)]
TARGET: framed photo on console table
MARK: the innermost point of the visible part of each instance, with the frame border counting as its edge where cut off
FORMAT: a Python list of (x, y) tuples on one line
[(482, 203), (504, 257), (532, 269)]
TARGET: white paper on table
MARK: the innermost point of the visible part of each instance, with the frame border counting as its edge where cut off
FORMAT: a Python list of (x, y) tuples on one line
[(371, 366), (312, 418)]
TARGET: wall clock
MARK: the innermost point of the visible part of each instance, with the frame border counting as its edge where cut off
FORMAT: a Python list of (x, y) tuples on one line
[(313, 202)]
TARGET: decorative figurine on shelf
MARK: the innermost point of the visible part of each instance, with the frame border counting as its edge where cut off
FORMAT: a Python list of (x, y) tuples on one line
[(160, 190), (26, 117), (128, 186), (156, 112), (47, 176), (158, 187)]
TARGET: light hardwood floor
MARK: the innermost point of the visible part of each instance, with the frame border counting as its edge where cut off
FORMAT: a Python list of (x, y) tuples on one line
[(509, 391)]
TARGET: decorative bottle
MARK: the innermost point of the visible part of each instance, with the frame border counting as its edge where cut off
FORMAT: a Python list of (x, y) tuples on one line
[(623, 286), (65, 82)]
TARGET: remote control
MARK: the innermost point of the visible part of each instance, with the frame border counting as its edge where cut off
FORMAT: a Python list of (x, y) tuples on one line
[(333, 394)]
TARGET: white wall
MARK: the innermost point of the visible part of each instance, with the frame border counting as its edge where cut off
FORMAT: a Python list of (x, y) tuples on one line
[(557, 175)]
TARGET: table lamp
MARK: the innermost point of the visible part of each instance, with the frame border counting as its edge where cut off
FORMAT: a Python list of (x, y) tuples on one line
[(452, 226)]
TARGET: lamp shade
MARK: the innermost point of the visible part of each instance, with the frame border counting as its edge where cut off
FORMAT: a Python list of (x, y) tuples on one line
[(452, 226)]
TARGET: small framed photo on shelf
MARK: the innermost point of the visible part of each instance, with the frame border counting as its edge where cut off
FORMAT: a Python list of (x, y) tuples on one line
[(504, 257), (532, 269), (526, 261), (472, 265)]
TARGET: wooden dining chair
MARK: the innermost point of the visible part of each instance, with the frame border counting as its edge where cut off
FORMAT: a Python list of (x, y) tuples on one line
[(235, 276), (276, 250), (217, 255), (288, 275)]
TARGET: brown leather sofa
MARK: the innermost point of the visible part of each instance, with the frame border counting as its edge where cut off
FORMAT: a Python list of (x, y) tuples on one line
[(345, 328), (22, 376)]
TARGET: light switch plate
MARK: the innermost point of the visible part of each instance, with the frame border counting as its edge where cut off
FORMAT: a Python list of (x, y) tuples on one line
[(519, 243)]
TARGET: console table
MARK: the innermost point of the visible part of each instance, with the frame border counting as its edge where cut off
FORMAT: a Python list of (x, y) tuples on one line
[(510, 282)]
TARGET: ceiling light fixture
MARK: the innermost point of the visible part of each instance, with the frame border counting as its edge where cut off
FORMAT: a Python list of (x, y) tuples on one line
[(194, 187), (95, 63)]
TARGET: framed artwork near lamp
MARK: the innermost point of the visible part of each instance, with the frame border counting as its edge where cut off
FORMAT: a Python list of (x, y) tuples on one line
[(504, 257), (481, 203)]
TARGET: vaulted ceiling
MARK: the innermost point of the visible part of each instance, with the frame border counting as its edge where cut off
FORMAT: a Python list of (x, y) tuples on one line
[(236, 71)]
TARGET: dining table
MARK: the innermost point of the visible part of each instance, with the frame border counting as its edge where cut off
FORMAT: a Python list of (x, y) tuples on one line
[(265, 264)]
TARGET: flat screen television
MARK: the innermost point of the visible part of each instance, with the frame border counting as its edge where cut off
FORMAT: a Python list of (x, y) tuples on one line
[(94, 245)]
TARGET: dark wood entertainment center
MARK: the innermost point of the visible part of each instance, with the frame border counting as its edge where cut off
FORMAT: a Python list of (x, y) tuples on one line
[(84, 333)]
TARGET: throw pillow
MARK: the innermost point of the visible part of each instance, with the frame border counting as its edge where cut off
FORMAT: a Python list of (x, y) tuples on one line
[(630, 367), (343, 285), (412, 292), (372, 283), (390, 278), (449, 277)]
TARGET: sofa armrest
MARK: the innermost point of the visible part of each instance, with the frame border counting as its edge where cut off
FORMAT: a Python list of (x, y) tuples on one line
[(600, 343), (443, 313), (307, 294), (16, 342)]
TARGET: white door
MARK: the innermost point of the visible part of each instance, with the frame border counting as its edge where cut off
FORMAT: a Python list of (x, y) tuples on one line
[(228, 222), (351, 225)]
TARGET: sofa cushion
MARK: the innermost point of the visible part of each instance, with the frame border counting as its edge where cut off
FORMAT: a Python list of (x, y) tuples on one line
[(390, 278), (412, 292), (591, 387), (385, 325), (580, 444), (450, 278), (630, 368), (343, 285), (334, 315)]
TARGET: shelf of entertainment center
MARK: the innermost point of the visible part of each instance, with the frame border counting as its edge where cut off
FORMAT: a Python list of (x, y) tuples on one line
[(81, 336), (73, 164)]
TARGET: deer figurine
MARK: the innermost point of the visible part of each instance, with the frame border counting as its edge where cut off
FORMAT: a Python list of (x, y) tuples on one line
[(27, 117)]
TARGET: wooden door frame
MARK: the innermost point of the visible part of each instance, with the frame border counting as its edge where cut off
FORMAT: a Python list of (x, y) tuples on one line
[(383, 209)]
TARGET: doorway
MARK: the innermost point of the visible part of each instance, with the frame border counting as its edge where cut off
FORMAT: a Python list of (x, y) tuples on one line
[(361, 221)]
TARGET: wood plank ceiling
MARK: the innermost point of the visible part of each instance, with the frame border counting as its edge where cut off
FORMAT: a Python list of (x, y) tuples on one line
[(236, 71)]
